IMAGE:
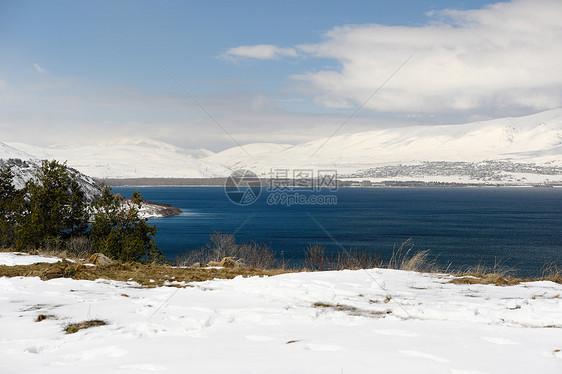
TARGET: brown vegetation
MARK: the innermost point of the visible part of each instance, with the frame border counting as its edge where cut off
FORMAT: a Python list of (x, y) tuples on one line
[(351, 310), (42, 317), (75, 327), (145, 274), (225, 258)]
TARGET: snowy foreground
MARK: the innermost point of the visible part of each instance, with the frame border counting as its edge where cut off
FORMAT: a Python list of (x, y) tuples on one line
[(374, 321)]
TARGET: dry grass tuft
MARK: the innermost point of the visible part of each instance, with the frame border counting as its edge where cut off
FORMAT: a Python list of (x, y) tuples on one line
[(497, 275), (75, 327), (351, 310), (495, 279), (338, 307), (552, 272), (405, 258), (316, 259), (42, 317)]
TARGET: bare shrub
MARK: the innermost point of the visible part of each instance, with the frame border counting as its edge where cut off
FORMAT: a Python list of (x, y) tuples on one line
[(315, 258), (357, 259), (257, 255), (196, 256), (79, 247), (225, 245), (53, 245)]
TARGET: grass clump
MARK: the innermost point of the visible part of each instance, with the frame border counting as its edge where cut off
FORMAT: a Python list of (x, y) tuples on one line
[(316, 259), (42, 317), (552, 272), (491, 278), (351, 310), (405, 258), (72, 328), (497, 275)]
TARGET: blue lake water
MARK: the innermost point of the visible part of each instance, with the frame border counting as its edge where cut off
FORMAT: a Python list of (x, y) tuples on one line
[(520, 228)]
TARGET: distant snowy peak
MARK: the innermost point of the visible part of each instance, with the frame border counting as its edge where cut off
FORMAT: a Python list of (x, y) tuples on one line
[(7, 152), (146, 143), (523, 138), (479, 138), (254, 149)]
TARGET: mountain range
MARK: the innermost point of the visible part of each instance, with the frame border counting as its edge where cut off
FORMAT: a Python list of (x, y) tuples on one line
[(506, 150)]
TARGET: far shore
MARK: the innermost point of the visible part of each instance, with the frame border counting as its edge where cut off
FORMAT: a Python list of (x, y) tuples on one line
[(346, 183)]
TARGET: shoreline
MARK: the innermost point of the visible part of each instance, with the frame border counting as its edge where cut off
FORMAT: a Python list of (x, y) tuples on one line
[(414, 184)]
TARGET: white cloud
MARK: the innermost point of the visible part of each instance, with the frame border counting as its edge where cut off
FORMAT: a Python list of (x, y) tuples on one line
[(39, 68), (506, 55), (502, 58), (260, 51)]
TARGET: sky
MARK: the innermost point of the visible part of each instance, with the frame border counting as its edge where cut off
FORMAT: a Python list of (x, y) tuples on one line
[(211, 74)]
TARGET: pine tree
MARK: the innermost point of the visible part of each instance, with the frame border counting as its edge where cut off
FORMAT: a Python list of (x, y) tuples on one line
[(54, 208), (11, 207), (118, 231), (78, 215)]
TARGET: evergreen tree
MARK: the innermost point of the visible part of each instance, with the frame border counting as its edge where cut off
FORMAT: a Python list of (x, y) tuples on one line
[(54, 208), (118, 231), (51, 209), (11, 207), (78, 215)]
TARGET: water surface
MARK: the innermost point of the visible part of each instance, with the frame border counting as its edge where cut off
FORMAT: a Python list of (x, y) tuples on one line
[(517, 227)]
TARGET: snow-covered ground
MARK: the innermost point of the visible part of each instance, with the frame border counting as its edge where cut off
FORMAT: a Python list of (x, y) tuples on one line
[(19, 258), (374, 321)]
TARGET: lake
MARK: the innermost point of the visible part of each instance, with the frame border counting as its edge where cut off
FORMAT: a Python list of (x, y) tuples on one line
[(520, 228)]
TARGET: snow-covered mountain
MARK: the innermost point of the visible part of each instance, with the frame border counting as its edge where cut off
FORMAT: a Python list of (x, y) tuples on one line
[(130, 158), (24, 166), (525, 149), (531, 139)]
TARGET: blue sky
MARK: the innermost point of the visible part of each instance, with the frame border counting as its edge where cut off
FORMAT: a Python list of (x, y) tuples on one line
[(83, 71)]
